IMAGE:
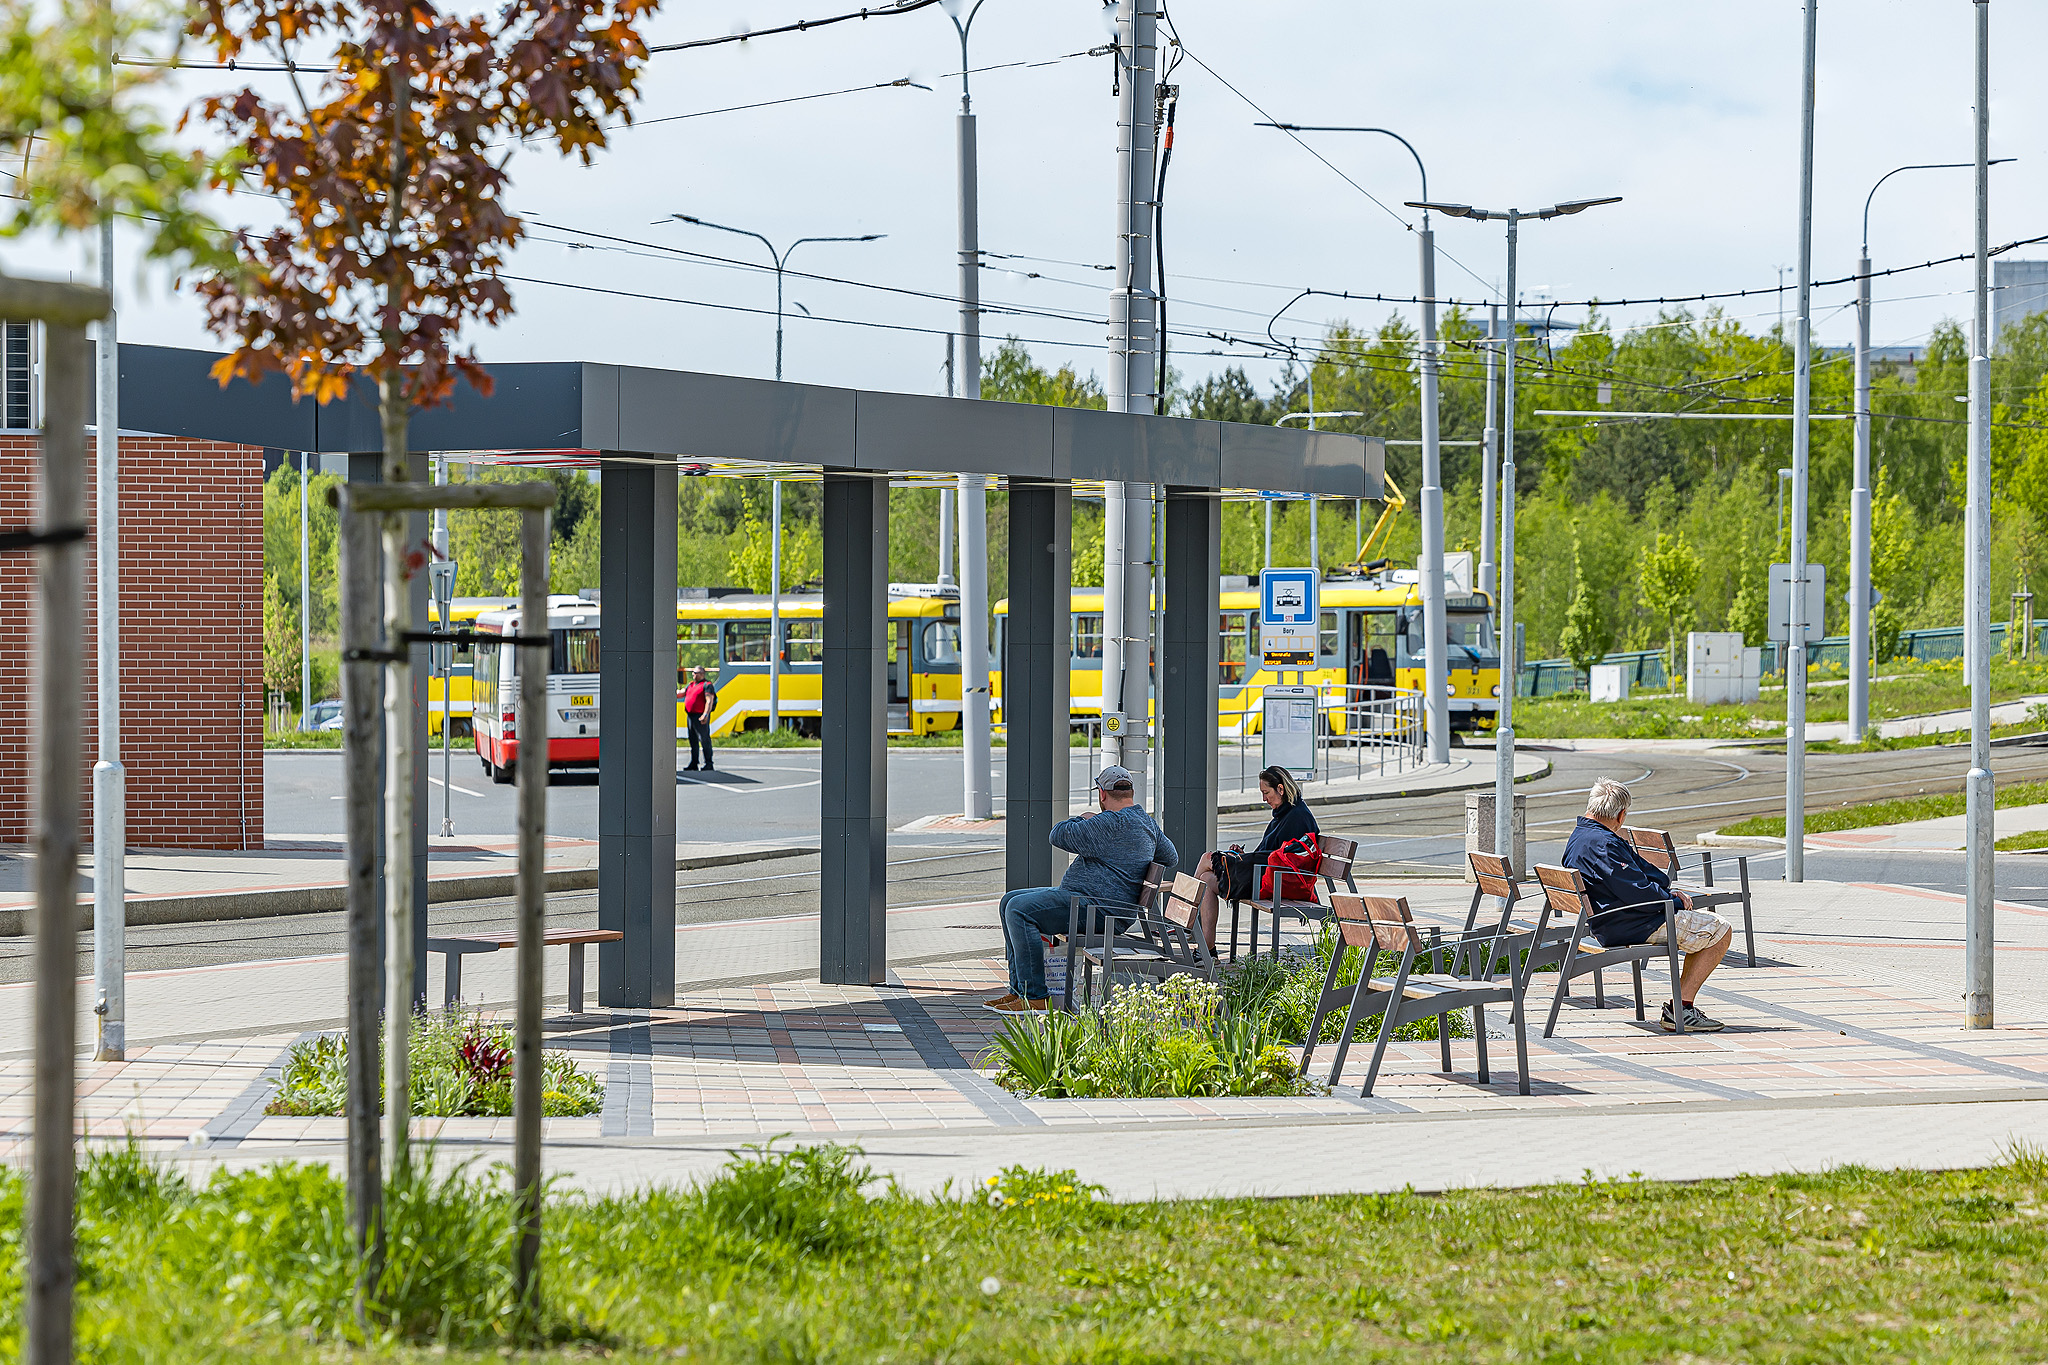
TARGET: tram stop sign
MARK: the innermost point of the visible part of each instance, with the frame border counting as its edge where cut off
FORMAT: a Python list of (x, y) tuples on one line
[(1289, 601)]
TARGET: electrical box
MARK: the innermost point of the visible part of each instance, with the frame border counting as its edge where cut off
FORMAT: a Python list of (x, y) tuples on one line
[(1611, 681), (1720, 668)]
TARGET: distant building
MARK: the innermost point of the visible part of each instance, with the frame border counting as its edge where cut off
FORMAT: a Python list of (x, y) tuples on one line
[(2019, 289), (1903, 360)]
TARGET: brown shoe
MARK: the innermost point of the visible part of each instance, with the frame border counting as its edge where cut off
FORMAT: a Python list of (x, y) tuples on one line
[(1012, 1006), (1006, 1003)]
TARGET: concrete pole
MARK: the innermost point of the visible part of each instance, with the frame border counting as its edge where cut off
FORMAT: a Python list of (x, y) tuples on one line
[(1802, 406), (977, 786), (1126, 625), (1436, 707), (774, 606), (1489, 454), (53, 831), (1859, 518), (945, 579), (530, 885), (441, 476), (1982, 888), (109, 777), (398, 838), (1510, 674), (305, 596)]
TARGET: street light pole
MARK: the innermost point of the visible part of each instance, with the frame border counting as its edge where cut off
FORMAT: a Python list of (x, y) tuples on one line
[(1504, 731), (781, 260), (1802, 407), (1489, 454), (109, 776), (1979, 793), (977, 785)]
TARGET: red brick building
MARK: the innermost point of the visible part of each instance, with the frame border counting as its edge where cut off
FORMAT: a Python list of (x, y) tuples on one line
[(191, 642)]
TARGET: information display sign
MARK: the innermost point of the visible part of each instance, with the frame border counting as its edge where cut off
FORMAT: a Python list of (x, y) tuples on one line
[(1288, 729), (1289, 602)]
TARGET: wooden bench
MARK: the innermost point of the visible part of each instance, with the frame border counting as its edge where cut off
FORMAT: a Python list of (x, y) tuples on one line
[(456, 948), (1654, 847), (1338, 855)]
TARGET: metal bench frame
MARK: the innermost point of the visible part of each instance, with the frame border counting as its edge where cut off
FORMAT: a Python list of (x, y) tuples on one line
[(1340, 856), (455, 948), (1654, 846), (1565, 897)]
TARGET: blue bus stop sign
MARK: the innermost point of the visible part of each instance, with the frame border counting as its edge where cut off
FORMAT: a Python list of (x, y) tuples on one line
[(1289, 601)]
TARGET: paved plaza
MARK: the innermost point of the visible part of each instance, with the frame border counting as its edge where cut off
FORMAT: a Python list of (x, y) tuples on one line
[(1843, 1044)]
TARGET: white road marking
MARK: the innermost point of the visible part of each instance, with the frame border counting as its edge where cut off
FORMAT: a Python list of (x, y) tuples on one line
[(450, 785)]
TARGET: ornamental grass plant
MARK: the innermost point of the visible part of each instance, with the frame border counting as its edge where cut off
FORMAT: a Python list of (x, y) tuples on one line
[(461, 1066), (1282, 993)]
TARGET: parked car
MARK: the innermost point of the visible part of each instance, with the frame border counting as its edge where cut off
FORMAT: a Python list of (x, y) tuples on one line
[(325, 715)]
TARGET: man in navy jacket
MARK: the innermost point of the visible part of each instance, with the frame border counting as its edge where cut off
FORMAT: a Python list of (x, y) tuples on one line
[(1629, 897)]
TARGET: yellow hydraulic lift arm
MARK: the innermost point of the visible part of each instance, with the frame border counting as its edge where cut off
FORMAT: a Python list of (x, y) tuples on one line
[(1390, 506)]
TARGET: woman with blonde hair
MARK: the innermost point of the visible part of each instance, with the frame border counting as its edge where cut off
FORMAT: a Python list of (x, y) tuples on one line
[(1227, 875)]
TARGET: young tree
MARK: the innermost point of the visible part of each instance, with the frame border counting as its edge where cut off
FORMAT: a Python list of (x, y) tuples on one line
[(1894, 555), (1668, 577), (280, 641), (1587, 635)]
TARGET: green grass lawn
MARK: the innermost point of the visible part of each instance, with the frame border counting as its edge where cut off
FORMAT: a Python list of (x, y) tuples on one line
[(1910, 689), (331, 739), (797, 1258), (1897, 811)]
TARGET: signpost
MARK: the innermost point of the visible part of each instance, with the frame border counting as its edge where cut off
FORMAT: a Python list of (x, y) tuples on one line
[(1290, 605), (1779, 626)]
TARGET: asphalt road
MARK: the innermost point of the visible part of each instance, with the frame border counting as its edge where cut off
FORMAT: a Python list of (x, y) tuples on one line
[(1419, 836)]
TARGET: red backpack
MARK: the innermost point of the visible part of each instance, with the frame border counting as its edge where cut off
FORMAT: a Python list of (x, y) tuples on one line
[(1304, 857)]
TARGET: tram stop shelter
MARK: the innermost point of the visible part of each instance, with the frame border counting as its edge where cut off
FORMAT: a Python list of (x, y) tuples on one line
[(642, 426)]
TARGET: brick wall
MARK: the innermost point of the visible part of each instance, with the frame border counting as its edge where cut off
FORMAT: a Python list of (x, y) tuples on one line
[(191, 642)]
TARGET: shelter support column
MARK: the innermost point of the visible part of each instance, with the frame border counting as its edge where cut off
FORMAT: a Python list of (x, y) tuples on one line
[(853, 800), (636, 796), (1188, 676), (1036, 654)]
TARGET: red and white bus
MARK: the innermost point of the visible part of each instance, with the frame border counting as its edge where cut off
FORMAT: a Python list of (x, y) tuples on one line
[(572, 699)]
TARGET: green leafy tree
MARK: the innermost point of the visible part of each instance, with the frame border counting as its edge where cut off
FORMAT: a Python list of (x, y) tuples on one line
[(1011, 376), (1750, 610), (1587, 635), (803, 553), (281, 653), (1668, 576), (1894, 556)]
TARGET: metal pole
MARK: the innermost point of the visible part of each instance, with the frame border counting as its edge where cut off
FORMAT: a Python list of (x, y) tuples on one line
[(1802, 406), (1489, 454), (398, 842), (1510, 674), (778, 306), (441, 476), (109, 777), (945, 578), (1436, 707), (1269, 533), (1859, 518), (59, 680), (530, 884), (305, 596), (774, 606), (1979, 910), (1132, 372), (977, 787), (362, 683)]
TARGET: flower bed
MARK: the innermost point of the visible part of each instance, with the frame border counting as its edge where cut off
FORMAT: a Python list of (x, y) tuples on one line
[(1282, 994), (461, 1066)]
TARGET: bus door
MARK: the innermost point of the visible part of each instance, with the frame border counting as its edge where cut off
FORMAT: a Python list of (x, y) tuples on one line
[(899, 676)]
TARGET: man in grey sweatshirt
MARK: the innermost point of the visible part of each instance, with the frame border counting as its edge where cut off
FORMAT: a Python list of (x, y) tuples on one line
[(1112, 847)]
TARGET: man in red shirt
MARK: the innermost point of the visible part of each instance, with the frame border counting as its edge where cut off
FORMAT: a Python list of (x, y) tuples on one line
[(700, 703)]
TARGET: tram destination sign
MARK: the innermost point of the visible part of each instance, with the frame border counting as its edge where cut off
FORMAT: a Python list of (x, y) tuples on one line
[(1289, 602)]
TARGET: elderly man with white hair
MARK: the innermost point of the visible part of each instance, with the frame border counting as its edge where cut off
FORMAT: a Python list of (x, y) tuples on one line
[(1633, 895)]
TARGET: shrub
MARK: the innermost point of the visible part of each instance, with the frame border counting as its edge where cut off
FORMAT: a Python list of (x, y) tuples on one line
[(461, 1065), (1282, 993)]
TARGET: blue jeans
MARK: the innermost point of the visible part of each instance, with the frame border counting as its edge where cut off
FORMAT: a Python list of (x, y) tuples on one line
[(1026, 913)]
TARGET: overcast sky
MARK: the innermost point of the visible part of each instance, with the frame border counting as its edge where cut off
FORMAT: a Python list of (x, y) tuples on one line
[(1691, 114)]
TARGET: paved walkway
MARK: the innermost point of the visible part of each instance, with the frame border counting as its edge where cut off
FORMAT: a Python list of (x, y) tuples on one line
[(1843, 1045)]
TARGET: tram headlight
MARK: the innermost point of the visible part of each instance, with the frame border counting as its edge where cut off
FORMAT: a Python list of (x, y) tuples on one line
[(1496, 689)]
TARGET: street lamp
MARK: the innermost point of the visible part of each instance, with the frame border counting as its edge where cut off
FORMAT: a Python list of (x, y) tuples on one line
[(1504, 732), (781, 259), (1859, 493), (1436, 657)]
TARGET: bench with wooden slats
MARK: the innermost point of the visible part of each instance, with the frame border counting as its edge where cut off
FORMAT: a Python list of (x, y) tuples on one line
[(1157, 941), (1654, 846), (458, 947), (1570, 906), (1338, 856), (1376, 924)]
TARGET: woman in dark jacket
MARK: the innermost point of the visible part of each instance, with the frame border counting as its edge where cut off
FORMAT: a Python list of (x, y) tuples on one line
[(1228, 875)]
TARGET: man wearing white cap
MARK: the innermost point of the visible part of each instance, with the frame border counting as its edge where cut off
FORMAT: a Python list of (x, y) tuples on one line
[(1112, 847)]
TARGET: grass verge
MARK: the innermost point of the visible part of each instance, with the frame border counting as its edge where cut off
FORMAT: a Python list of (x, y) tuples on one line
[(331, 739), (2016, 843), (802, 1257), (1897, 811)]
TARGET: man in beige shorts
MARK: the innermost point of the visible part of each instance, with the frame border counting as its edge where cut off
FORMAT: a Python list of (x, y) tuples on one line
[(1635, 893)]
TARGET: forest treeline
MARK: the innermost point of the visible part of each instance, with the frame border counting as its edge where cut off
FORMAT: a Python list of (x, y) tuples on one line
[(1595, 494)]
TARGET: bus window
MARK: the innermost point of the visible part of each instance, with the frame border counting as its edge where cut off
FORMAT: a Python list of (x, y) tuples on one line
[(942, 642), (484, 685), (696, 646), (1230, 646), (746, 642), (1088, 635), (573, 651), (1330, 645), (803, 642)]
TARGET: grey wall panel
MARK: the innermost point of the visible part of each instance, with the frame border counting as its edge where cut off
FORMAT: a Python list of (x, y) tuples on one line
[(1327, 462), (1035, 679), (598, 395), (1112, 445), (166, 390), (900, 431), (531, 407), (1188, 720), (716, 417), (853, 797)]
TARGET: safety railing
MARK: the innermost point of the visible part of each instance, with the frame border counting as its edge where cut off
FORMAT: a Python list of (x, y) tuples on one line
[(1360, 732)]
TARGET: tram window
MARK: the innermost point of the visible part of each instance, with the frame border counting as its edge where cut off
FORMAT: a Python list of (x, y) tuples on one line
[(572, 651), (942, 642), (1379, 634), (1088, 635), (696, 645), (1230, 646), (803, 642), (1474, 630), (1330, 645), (746, 642)]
